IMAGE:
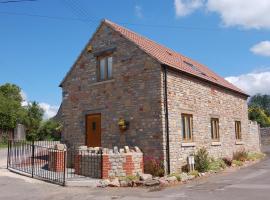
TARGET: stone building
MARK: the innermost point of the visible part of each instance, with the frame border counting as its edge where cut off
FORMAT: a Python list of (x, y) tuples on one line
[(125, 89)]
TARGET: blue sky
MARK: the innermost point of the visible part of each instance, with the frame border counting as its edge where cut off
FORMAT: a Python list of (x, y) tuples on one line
[(41, 39)]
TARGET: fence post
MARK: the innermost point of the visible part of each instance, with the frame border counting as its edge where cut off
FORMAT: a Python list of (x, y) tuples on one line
[(33, 157), (65, 165), (8, 154)]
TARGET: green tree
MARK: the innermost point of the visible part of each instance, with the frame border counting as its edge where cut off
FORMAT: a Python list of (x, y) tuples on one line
[(50, 130), (257, 114), (32, 120), (11, 111), (261, 101)]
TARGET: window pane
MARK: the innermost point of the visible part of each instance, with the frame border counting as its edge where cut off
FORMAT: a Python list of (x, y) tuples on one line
[(102, 69), (183, 127), (109, 67), (187, 127)]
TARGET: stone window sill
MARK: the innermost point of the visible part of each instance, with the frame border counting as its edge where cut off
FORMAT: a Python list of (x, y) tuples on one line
[(102, 82), (188, 144), (239, 142), (216, 143)]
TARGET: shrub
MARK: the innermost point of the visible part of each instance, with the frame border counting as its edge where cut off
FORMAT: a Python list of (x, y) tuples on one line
[(241, 155), (202, 160), (254, 156), (227, 161), (237, 163), (129, 178), (178, 176), (194, 173), (217, 165), (154, 166)]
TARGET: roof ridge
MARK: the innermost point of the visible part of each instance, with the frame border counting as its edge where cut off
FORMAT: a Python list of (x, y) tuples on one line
[(173, 58)]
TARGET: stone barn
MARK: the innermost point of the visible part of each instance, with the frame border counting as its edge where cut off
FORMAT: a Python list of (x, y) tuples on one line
[(125, 89)]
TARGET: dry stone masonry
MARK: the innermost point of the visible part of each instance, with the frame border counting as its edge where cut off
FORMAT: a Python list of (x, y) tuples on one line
[(112, 162)]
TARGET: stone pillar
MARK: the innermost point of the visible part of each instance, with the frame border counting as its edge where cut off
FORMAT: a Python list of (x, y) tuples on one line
[(19, 133)]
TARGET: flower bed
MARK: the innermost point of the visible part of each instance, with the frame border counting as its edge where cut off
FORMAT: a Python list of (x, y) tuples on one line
[(206, 166)]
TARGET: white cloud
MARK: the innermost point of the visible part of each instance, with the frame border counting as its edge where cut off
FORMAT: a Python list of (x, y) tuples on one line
[(138, 11), (244, 13), (24, 98), (186, 7), (252, 83), (262, 48), (49, 110)]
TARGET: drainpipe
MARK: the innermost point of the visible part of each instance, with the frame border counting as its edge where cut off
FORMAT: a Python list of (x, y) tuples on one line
[(166, 118)]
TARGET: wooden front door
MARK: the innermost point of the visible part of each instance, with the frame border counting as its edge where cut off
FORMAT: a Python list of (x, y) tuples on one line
[(93, 130)]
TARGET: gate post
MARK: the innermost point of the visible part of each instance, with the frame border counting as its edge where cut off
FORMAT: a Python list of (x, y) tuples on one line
[(8, 154), (33, 156), (65, 165)]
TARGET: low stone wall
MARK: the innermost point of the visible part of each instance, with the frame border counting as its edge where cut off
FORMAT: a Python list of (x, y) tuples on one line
[(123, 162), (110, 163), (253, 141), (265, 139)]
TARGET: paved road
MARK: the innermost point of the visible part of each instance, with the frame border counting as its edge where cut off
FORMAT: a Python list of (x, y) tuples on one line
[(245, 184), (3, 158)]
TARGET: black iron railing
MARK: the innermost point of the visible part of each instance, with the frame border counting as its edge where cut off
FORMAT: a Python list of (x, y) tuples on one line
[(84, 163), (37, 161)]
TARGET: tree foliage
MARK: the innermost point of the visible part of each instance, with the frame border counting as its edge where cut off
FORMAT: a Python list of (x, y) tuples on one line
[(31, 116), (11, 111), (50, 130), (261, 101), (259, 109), (32, 120)]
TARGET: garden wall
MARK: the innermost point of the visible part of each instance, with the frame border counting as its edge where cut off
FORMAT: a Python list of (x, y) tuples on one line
[(265, 138), (112, 162)]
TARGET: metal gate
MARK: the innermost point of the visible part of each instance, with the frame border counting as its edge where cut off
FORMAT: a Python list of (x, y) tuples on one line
[(37, 161)]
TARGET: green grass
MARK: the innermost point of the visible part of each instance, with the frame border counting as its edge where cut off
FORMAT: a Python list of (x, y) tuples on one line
[(252, 156), (2, 145), (237, 163)]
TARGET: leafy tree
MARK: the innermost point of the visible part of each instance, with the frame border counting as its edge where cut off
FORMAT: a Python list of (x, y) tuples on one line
[(50, 130), (256, 113), (11, 111), (32, 120), (261, 101)]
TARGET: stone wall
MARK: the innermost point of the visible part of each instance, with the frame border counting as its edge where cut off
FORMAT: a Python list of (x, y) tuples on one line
[(133, 94), (125, 162), (187, 95), (111, 163), (265, 139)]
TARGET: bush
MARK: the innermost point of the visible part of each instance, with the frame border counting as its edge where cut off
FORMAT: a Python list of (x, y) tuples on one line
[(129, 178), (178, 176), (237, 163), (254, 156), (241, 155), (194, 173), (217, 165), (154, 166), (202, 160), (227, 161)]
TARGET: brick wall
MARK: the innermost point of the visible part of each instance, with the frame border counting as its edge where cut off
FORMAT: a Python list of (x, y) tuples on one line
[(56, 160)]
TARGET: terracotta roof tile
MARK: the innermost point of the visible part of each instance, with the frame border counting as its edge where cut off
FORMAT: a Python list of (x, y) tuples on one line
[(173, 59)]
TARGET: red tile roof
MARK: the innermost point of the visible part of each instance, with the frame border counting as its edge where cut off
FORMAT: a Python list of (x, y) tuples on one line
[(173, 59)]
